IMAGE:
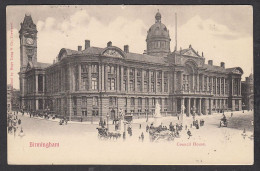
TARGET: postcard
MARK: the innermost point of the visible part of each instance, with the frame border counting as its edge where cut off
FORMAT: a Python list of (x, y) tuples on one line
[(130, 84)]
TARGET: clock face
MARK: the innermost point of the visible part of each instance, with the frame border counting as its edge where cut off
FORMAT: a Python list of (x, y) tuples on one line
[(29, 41)]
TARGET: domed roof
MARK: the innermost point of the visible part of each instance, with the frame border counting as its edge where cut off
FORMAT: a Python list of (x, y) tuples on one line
[(158, 29)]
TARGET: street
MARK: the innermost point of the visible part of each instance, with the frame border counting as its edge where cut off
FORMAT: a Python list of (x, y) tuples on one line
[(79, 143)]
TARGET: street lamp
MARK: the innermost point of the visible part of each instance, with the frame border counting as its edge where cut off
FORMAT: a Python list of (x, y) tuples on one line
[(107, 121)]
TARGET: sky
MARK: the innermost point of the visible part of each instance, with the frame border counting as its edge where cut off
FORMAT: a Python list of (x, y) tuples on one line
[(222, 33)]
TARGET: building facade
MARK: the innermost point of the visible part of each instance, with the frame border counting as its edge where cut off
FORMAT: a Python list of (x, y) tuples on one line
[(98, 81), (9, 97), (248, 93)]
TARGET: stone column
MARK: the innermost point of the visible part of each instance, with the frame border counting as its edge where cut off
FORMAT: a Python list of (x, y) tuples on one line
[(43, 83), (188, 107), (194, 104), (232, 88), (128, 81), (210, 106), (36, 83), (135, 85), (103, 77), (182, 109), (117, 79), (79, 77), (240, 104), (181, 79), (36, 104), (106, 78), (142, 83), (198, 82), (216, 82), (162, 83), (99, 77), (206, 106), (155, 85), (224, 82), (122, 77), (239, 87), (89, 77), (199, 106), (149, 80), (174, 81), (203, 83), (207, 88)]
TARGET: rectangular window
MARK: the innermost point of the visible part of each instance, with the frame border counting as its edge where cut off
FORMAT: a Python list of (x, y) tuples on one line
[(139, 73), (146, 102), (139, 86), (152, 87), (132, 72), (84, 101), (112, 101), (159, 87), (132, 101), (166, 101), (145, 86), (94, 83), (94, 68), (124, 85), (131, 85), (139, 102), (95, 101), (112, 84), (84, 83), (153, 102)]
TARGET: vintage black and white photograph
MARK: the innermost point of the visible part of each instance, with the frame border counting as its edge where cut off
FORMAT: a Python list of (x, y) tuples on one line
[(130, 84)]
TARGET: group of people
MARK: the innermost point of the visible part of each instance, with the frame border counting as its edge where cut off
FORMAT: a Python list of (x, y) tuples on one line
[(13, 123)]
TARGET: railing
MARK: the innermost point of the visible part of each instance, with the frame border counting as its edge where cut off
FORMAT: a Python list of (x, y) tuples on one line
[(194, 92)]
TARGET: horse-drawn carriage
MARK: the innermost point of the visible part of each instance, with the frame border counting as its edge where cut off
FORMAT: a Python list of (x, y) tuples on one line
[(104, 134), (223, 123), (161, 133)]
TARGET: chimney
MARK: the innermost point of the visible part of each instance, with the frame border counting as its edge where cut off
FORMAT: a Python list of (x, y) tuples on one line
[(87, 44), (222, 64), (109, 44), (126, 49), (79, 48), (210, 62)]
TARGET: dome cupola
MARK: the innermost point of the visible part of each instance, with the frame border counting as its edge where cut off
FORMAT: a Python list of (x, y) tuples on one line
[(158, 38)]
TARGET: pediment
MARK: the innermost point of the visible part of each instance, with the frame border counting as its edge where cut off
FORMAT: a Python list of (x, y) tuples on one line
[(236, 71), (191, 52), (113, 52)]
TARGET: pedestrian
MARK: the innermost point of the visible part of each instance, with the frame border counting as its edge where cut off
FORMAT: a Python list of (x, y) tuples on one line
[(190, 125), (189, 133), (123, 135), (140, 126), (142, 136), (178, 117), (104, 122), (30, 114), (147, 128), (19, 121), (186, 127), (231, 114)]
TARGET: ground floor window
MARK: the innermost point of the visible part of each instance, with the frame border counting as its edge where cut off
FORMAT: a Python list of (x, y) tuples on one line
[(84, 113), (94, 112)]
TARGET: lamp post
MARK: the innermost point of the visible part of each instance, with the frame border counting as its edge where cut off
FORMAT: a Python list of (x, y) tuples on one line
[(107, 121)]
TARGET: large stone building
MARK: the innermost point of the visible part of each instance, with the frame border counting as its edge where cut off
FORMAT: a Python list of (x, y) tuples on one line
[(248, 93), (98, 81)]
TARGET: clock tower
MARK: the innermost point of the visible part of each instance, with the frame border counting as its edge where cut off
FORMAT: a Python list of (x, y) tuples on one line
[(28, 43)]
